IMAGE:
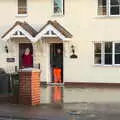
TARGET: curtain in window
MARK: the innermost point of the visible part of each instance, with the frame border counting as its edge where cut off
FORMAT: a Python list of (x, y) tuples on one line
[(97, 53), (22, 6), (102, 7)]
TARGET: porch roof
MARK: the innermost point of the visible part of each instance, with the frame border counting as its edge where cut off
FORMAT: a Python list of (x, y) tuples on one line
[(25, 27), (55, 29), (59, 27), (50, 29)]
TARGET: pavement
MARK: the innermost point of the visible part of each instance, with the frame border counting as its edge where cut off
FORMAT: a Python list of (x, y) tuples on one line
[(66, 111)]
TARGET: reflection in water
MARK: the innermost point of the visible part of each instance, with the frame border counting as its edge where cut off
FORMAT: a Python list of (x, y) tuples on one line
[(61, 94), (56, 94)]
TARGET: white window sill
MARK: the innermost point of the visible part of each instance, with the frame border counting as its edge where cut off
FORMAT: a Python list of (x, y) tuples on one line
[(107, 16), (58, 15), (21, 15), (100, 65)]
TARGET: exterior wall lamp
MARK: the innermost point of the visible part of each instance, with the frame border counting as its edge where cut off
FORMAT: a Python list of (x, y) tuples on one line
[(6, 49), (73, 52)]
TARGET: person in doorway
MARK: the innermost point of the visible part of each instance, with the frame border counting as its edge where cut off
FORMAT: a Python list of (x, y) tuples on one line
[(27, 59), (58, 67)]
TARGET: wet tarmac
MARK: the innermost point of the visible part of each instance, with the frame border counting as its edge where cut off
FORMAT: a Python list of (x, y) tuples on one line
[(80, 111), (68, 103)]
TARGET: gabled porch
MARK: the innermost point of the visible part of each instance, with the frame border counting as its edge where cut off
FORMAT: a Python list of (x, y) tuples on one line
[(22, 35)]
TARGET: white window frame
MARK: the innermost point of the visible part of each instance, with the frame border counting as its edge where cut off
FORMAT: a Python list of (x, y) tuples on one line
[(108, 9), (25, 14), (103, 54), (58, 14)]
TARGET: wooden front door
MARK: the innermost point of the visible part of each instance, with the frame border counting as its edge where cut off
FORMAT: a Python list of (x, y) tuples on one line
[(22, 48)]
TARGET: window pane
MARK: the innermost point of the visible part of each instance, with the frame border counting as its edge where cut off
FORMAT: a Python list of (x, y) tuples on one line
[(114, 2), (97, 59), (22, 3), (102, 7), (101, 2), (114, 10), (58, 6), (22, 6), (108, 59), (117, 47), (97, 47), (97, 53), (117, 53), (108, 47), (102, 11), (117, 59)]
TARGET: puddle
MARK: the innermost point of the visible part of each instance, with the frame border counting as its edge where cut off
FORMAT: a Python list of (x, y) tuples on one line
[(62, 94), (52, 94)]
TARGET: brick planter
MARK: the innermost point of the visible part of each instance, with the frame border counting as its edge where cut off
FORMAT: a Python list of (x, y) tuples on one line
[(29, 89)]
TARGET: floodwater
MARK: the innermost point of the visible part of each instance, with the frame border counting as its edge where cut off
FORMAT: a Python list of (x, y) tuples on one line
[(62, 94)]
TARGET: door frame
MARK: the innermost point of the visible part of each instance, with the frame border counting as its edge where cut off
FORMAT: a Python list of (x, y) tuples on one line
[(50, 77), (20, 44)]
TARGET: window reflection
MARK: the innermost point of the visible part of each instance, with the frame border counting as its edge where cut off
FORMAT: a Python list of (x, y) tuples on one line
[(58, 6)]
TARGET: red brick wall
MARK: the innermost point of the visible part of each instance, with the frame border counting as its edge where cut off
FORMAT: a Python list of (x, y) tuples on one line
[(29, 90)]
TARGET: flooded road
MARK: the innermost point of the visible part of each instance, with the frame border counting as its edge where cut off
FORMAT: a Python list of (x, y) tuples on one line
[(62, 94), (68, 103)]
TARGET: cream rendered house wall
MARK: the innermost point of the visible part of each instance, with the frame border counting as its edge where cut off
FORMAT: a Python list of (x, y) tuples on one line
[(82, 22)]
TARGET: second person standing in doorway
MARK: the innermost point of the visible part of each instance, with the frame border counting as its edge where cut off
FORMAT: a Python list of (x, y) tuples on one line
[(58, 64)]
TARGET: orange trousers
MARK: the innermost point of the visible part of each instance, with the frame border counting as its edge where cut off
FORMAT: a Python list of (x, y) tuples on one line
[(57, 75)]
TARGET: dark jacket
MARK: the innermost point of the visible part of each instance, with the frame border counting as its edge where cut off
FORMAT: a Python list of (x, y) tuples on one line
[(58, 61)]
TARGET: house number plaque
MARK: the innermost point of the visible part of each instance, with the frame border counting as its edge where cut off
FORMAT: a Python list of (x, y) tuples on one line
[(10, 59)]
